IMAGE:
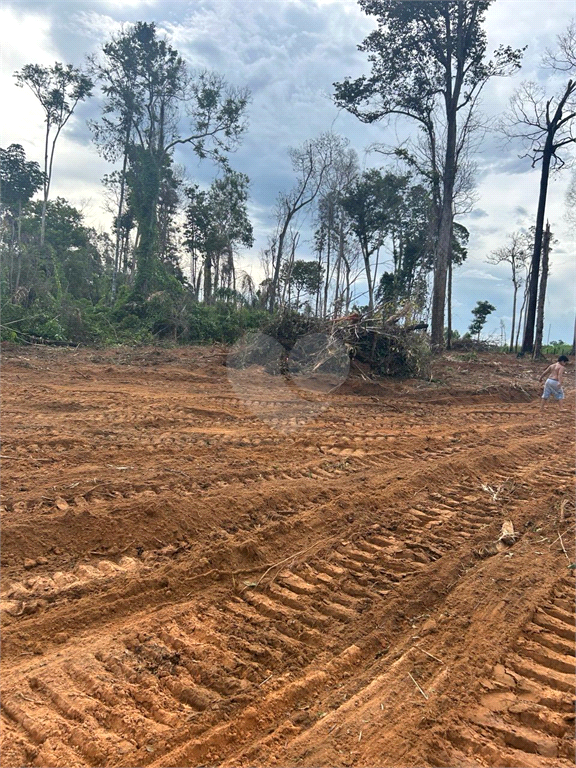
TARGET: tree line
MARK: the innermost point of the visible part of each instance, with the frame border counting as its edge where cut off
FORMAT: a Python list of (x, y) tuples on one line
[(383, 237)]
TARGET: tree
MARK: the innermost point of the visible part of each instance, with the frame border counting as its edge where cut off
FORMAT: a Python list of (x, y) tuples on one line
[(546, 248), (458, 254), (545, 125), (195, 228), (216, 225), (372, 203), (306, 276), (230, 226), (515, 253), (411, 245), (148, 86), (480, 312), (19, 181), (310, 163), (59, 89), (428, 65), (332, 236)]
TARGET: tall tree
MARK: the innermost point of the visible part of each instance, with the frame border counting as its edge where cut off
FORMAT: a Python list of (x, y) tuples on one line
[(147, 124), (20, 179), (428, 65), (310, 162), (372, 203), (545, 125), (515, 254), (59, 89), (217, 224), (546, 248)]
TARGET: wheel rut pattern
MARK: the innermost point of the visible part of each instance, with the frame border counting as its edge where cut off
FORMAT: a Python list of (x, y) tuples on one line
[(189, 583)]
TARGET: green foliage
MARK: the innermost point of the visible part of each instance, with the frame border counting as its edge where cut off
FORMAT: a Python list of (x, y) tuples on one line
[(146, 85), (217, 224), (305, 277), (58, 88), (480, 312), (414, 46), (19, 179), (556, 348)]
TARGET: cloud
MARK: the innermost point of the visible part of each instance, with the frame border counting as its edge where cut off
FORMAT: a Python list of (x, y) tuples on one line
[(477, 213), (477, 274)]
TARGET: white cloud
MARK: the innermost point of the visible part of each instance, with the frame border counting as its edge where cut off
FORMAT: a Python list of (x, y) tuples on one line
[(477, 274)]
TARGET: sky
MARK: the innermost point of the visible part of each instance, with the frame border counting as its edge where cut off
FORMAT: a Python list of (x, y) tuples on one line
[(289, 53)]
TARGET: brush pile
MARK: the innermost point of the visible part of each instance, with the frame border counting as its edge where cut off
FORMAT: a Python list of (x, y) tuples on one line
[(388, 345), (391, 345)]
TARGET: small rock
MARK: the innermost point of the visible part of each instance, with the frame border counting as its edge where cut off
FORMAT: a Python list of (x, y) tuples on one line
[(42, 561), (29, 563)]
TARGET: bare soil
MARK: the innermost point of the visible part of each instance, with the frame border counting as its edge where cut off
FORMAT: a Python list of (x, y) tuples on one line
[(194, 578)]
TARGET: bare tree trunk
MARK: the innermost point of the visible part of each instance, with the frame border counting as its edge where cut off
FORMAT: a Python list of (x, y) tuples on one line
[(119, 217), (347, 270), (513, 317), (328, 254), (46, 188), (521, 318), (319, 290), (449, 318), (528, 339), (337, 299), (542, 294), (442, 256), (208, 279)]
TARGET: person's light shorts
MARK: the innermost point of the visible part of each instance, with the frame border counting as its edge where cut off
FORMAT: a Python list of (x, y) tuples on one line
[(552, 387)]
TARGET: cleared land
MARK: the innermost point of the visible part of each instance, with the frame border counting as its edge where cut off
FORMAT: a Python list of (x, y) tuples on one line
[(193, 578)]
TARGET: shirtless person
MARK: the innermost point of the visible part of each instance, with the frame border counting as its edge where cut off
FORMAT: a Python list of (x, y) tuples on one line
[(553, 385)]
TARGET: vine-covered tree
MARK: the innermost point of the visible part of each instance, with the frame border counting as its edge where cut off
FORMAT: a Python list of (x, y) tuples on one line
[(428, 64), (147, 87)]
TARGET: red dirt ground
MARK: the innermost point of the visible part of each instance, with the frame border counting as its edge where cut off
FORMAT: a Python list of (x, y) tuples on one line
[(195, 578)]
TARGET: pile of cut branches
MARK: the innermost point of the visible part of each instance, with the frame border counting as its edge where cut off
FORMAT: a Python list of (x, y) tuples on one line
[(390, 345)]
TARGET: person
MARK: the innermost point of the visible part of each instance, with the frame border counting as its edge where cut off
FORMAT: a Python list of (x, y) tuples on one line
[(553, 385)]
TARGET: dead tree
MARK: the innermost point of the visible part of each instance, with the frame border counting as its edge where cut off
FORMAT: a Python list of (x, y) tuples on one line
[(545, 125), (542, 293)]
